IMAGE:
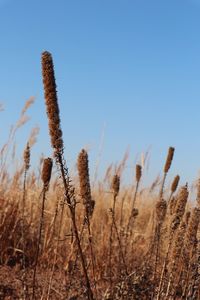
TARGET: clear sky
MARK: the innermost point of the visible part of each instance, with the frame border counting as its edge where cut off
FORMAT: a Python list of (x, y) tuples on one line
[(131, 67)]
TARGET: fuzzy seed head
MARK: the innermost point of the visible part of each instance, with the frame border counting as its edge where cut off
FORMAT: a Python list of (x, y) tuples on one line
[(180, 207), (193, 224), (116, 185), (84, 181), (175, 183), (51, 101), (27, 157), (46, 171), (161, 209), (138, 172), (169, 159), (177, 247)]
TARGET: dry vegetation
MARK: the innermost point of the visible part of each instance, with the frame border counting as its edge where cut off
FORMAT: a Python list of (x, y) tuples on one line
[(62, 239)]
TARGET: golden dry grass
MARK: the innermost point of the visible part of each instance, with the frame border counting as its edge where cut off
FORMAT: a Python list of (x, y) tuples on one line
[(63, 239)]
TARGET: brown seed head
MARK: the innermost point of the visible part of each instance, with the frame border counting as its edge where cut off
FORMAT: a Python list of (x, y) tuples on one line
[(169, 159), (190, 240), (178, 242), (46, 171), (116, 184), (181, 202), (134, 212), (27, 157), (175, 183), (84, 181), (51, 102), (193, 224), (161, 209), (138, 172)]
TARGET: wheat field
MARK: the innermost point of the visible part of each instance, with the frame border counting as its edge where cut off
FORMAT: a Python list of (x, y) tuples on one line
[(63, 238)]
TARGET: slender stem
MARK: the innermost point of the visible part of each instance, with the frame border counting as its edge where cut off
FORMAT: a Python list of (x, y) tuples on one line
[(130, 217), (39, 239), (23, 235), (75, 229)]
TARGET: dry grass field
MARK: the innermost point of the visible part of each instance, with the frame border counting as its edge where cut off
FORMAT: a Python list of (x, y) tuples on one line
[(60, 238)]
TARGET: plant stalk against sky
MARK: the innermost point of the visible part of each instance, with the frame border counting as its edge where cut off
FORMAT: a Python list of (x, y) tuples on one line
[(167, 166), (134, 211), (58, 146), (26, 167), (46, 176), (175, 223), (174, 187), (89, 203)]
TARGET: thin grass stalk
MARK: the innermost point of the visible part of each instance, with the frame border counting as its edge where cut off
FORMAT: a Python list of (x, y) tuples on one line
[(89, 203), (26, 168), (46, 176), (115, 188), (177, 222), (134, 212)]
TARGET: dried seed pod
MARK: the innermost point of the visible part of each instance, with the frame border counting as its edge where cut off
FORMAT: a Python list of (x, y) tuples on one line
[(134, 213), (193, 224), (161, 209), (169, 159), (138, 172), (51, 102), (84, 181), (116, 184), (46, 170), (175, 183), (180, 207), (27, 157)]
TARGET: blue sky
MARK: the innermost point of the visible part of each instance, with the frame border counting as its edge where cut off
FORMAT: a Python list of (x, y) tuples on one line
[(131, 67)]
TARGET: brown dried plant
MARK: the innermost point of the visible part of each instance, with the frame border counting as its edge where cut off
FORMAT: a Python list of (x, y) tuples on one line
[(46, 176), (26, 168), (55, 133)]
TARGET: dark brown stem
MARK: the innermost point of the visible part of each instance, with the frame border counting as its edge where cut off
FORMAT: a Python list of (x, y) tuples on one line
[(39, 239), (73, 218)]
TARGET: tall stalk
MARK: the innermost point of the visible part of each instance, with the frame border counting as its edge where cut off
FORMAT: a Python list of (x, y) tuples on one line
[(46, 176), (55, 132), (134, 212), (26, 167)]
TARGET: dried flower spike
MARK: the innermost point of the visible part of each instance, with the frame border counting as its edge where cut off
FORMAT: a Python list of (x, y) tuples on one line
[(138, 173), (169, 159), (46, 170), (51, 102), (27, 157), (116, 185), (175, 183), (84, 181)]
